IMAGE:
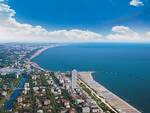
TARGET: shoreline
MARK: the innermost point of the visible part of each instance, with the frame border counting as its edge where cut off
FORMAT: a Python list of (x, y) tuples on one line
[(38, 52), (112, 99)]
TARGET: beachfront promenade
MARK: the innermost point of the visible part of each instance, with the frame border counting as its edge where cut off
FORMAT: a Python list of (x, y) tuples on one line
[(112, 100)]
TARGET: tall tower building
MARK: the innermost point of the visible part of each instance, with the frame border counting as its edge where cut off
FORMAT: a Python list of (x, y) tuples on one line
[(74, 79)]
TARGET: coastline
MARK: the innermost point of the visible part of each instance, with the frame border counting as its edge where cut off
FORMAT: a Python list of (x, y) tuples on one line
[(110, 98), (38, 52)]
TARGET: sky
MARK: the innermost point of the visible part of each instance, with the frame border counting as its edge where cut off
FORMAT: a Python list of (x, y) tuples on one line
[(74, 21)]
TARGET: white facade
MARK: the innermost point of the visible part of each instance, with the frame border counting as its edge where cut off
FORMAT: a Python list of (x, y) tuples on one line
[(74, 79)]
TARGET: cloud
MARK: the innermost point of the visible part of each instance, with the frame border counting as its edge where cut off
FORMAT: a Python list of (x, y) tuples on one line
[(15, 31), (123, 33), (148, 33), (136, 3)]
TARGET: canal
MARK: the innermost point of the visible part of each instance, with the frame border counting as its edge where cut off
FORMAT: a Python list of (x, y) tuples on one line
[(17, 92)]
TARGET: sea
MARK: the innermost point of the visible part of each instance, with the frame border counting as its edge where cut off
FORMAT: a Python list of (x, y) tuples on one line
[(123, 68)]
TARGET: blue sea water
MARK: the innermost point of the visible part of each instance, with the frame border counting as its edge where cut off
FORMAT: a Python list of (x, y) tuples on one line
[(122, 68)]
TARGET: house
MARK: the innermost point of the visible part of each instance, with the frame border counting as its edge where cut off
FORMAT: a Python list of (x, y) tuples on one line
[(72, 110), (19, 99), (4, 93), (46, 102), (66, 104), (35, 89), (95, 110), (40, 111), (86, 110)]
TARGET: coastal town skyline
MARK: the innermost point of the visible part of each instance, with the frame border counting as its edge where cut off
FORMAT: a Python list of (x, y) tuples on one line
[(74, 56), (74, 21), (28, 87)]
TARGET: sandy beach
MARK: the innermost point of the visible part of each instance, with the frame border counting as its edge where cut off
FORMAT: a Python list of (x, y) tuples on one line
[(113, 100), (37, 53), (110, 98)]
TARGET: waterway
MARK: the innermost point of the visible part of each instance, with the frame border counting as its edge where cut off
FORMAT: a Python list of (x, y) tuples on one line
[(17, 92)]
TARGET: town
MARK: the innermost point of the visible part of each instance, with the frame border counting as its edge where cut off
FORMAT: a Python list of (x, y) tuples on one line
[(25, 87)]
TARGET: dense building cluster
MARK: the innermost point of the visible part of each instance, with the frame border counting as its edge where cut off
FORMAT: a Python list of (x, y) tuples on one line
[(27, 88)]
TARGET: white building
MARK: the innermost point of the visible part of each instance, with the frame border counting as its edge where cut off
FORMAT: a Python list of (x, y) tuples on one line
[(74, 79), (85, 110)]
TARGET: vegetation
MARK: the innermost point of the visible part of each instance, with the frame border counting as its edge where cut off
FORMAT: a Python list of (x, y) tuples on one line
[(98, 101)]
